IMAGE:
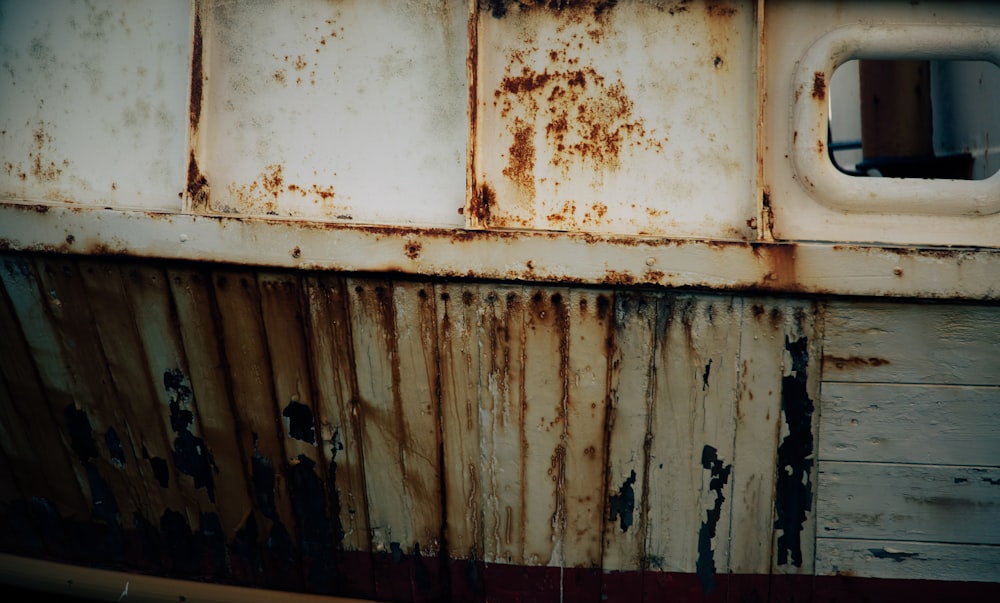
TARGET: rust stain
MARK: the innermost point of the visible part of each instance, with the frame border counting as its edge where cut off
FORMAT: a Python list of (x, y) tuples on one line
[(819, 86), (597, 8), (780, 263), (197, 186), (197, 72), (720, 9), (413, 249), (521, 157), (482, 203), (842, 362), (820, 147), (42, 170)]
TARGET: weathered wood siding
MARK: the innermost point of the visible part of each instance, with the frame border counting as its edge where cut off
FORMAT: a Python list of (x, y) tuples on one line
[(909, 454), (419, 440)]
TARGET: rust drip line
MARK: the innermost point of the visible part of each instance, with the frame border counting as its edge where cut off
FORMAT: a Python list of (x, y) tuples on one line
[(103, 585)]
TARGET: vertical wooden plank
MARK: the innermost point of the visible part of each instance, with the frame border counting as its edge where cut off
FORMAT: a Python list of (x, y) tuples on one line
[(373, 318), (417, 347), (692, 448), (500, 378), (262, 433), (203, 343), (795, 482), (470, 465), (589, 349), (629, 435), (34, 441), (121, 446), (340, 428), (282, 311), (546, 389), (758, 421), (142, 400)]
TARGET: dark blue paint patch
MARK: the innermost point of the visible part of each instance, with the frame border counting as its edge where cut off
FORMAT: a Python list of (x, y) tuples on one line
[(622, 505), (300, 422), (148, 536), (308, 495), (421, 574), (211, 543), (793, 490), (897, 556), (719, 477), (991, 481), (191, 456), (81, 436), (114, 444), (396, 551), (960, 480), (262, 471), (705, 374), (161, 470)]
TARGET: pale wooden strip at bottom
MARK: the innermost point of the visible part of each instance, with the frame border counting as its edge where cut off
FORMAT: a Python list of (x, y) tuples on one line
[(907, 560), (910, 424), (923, 503), (631, 393)]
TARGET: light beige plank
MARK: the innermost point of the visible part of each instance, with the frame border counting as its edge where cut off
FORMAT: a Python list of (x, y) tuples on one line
[(758, 423), (589, 349), (417, 350), (912, 343), (631, 394), (691, 454), (925, 503), (907, 560), (465, 472), (340, 428), (546, 382), (501, 390), (953, 425), (201, 337), (374, 335)]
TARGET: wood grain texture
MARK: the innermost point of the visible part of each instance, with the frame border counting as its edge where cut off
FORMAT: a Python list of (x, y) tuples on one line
[(331, 354), (923, 503), (629, 436), (907, 560), (952, 425), (946, 344)]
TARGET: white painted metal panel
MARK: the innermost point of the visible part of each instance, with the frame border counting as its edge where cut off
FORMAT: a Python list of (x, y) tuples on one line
[(350, 111), (635, 117), (93, 101), (806, 197)]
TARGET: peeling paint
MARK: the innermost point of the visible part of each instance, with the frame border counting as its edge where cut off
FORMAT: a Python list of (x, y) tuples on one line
[(719, 477), (622, 504), (793, 495)]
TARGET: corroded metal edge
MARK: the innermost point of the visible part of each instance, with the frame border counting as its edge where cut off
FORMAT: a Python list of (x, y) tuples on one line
[(578, 258)]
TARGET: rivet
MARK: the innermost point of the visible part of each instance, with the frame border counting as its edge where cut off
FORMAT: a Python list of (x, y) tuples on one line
[(897, 271), (183, 238), (650, 261)]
